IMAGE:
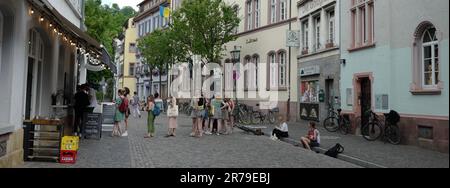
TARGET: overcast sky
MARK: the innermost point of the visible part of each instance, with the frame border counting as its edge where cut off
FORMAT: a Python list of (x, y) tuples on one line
[(122, 3)]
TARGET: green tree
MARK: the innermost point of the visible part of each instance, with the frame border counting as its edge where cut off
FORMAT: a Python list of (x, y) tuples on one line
[(202, 27), (105, 23)]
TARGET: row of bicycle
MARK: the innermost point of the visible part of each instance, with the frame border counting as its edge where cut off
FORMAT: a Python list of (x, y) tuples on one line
[(243, 114), (374, 128)]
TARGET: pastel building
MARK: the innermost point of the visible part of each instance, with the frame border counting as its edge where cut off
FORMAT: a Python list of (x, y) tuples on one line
[(395, 57), (126, 49), (263, 44)]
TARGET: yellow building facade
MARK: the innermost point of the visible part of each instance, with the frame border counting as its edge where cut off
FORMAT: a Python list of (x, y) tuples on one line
[(128, 61)]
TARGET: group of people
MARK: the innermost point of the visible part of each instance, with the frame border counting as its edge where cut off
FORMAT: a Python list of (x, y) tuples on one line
[(212, 116), (209, 116), (311, 140)]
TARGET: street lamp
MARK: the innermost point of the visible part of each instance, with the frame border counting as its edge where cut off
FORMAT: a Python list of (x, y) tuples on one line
[(235, 58)]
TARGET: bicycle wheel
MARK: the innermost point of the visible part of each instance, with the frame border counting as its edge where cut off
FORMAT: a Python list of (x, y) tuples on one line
[(345, 127), (256, 118), (372, 131), (331, 124), (393, 134), (272, 118)]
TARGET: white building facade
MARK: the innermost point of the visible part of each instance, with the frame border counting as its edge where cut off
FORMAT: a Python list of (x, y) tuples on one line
[(40, 55)]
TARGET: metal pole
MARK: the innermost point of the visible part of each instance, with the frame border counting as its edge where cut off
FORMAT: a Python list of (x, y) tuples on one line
[(289, 69)]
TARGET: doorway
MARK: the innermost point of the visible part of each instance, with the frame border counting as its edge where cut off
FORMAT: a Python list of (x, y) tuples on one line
[(329, 93), (365, 99)]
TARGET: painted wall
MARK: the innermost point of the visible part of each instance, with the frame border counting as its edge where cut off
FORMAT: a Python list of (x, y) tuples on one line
[(130, 37), (390, 60), (70, 9)]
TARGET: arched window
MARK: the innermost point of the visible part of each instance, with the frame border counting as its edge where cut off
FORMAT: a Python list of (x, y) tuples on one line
[(247, 73), (430, 58), (255, 72), (282, 68), (273, 71), (426, 62)]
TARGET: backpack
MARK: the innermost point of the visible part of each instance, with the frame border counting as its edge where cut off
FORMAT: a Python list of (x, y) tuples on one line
[(123, 106), (156, 110), (335, 151)]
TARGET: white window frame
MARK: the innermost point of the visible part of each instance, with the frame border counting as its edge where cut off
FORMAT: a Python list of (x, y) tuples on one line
[(283, 10), (331, 26), (273, 70), (273, 11), (317, 32), (433, 44), (249, 15), (282, 70), (257, 13), (305, 32)]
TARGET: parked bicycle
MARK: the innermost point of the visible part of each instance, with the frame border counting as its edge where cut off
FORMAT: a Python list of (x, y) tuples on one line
[(373, 130), (242, 114), (259, 117), (336, 121)]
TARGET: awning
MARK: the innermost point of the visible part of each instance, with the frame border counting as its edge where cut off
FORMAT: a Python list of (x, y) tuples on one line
[(88, 42), (106, 58)]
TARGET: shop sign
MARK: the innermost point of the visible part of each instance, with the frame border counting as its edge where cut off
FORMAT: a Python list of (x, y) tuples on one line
[(293, 38), (309, 112), (312, 6), (92, 125), (249, 41), (108, 113), (308, 71)]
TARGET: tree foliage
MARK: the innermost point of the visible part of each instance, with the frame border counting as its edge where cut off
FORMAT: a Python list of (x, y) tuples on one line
[(203, 27), (105, 23), (199, 27)]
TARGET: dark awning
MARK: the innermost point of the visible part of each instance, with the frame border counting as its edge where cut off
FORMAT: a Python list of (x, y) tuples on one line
[(106, 58)]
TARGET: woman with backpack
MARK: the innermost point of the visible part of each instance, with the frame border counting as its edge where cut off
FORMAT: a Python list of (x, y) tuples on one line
[(120, 113), (151, 117), (313, 137)]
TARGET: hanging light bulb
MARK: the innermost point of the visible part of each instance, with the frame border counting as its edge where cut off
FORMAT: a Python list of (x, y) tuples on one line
[(55, 30), (41, 19), (50, 25), (31, 11)]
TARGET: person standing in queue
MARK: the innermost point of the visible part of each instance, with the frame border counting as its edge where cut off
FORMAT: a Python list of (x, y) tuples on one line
[(151, 117), (120, 113), (128, 111), (81, 103)]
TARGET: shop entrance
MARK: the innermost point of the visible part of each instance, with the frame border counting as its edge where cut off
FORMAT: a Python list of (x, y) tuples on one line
[(33, 89), (329, 93)]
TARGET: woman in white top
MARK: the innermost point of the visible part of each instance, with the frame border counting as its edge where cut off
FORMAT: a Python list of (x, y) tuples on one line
[(172, 114), (280, 131)]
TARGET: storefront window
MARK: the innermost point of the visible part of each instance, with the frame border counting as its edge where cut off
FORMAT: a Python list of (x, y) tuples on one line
[(310, 91)]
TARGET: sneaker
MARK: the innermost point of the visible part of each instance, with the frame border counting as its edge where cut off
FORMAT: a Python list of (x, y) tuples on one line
[(125, 134), (208, 133), (192, 134)]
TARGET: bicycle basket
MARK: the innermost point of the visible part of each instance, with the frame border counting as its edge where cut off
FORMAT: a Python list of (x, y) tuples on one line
[(276, 110)]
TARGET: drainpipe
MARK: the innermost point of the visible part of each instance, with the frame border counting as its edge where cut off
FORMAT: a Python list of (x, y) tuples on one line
[(289, 71)]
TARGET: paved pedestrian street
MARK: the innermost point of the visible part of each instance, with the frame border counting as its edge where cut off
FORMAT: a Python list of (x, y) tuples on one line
[(239, 150)]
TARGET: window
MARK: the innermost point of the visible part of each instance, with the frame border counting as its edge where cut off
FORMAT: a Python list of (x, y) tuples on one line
[(430, 65), (283, 10), (282, 69), (317, 33), (131, 70), (331, 27), (236, 12), (145, 27), (133, 48), (362, 17), (249, 15), (248, 72), (273, 11), (255, 72), (273, 71), (257, 13), (139, 30), (305, 35)]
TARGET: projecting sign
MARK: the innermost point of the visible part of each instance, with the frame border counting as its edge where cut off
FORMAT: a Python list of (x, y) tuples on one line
[(308, 71), (293, 38)]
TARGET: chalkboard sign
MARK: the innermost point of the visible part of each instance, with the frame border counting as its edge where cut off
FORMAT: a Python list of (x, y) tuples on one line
[(92, 125), (109, 110)]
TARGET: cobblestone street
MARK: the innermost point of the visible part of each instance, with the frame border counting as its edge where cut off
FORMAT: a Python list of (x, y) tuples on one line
[(240, 150)]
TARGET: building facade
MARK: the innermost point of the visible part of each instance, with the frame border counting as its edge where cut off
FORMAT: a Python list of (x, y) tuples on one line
[(149, 80), (41, 47), (396, 58), (126, 51), (319, 58), (262, 41)]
